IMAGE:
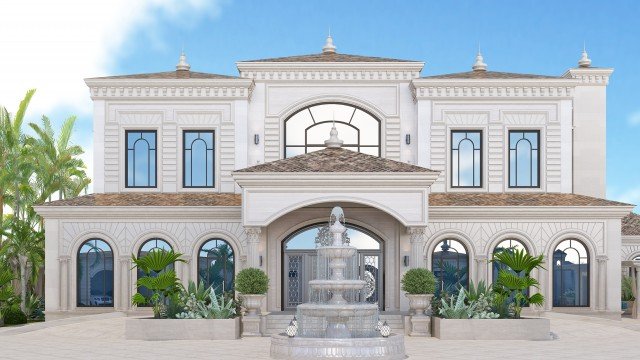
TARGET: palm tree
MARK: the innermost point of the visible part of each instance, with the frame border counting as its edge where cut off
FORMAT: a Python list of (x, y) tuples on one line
[(162, 282), (23, 246), (58, 167)]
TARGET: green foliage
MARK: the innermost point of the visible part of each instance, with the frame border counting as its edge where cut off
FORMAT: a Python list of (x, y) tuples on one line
[(252, 281), (213, 308), (418, 281), (162, 283), (14, 316), (515, 280), (475, 292), (627, 289), (35, 307), (456, 308)]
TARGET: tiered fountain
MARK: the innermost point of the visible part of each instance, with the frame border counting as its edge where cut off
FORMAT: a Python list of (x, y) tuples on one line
[(338, 322)]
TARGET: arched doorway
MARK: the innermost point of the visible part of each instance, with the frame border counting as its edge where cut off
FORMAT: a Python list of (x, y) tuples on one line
[(299, 264)]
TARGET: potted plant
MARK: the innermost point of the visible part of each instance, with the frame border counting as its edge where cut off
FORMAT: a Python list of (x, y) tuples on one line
[(419, 285), (253, 284), (162, 282), (628, 299)]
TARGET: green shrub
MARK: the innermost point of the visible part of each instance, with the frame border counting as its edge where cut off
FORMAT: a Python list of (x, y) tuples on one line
[(252, 281), (627, 289), (14, 316), (419, 281)]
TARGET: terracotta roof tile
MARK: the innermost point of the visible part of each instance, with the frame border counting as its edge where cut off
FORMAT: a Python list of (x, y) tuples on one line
[(330, 160), (148, 199), (631, 225), (517, 199), (329, 57), (489, 75), (169, 75)]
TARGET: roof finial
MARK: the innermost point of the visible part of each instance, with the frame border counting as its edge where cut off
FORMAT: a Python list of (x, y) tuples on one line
[(329, 48), (334, 141), (584, 61), (479, 65), (182, 63)]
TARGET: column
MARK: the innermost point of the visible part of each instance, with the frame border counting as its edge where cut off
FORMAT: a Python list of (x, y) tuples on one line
[(253, 246), (602, 276), (417, 239), (481, 272), (184, 272), (64, 282), (124, 286)]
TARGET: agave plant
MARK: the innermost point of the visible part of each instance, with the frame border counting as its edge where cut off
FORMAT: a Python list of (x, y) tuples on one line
[(456, 308), (161, 282), (214, 308), (516, 277)]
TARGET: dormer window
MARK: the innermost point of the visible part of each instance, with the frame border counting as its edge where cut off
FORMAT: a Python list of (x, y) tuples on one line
[(141, 160), (306, 130)]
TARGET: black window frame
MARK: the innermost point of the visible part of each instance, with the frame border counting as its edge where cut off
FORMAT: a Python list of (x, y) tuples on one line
[(113, 280), (451, 150), (557, 298), (184, 159), (307, 145), (524, 131), (199, 268), (126, 159), (440, 281)]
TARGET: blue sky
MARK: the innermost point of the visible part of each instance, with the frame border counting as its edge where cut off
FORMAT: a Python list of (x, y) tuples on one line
[(119, 37)]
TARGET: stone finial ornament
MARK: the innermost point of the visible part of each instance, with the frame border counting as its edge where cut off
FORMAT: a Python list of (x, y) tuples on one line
[(329, 48), (182, 63), (479, 65), (584, 61)]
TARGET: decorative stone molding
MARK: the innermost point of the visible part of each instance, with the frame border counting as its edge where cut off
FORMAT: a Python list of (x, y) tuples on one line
[(341, 75), (590, 76), (429, 89), (253, 241), (188, 88), (417, 237)]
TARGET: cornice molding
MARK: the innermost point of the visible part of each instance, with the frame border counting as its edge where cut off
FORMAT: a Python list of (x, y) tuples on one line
[(334, 180), (590, 76), (176, 89), (141, 212), (481, 88), (533, 212), (357, 71)]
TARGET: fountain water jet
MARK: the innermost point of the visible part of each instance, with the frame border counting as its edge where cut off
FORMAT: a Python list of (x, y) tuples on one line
[(338, 322)]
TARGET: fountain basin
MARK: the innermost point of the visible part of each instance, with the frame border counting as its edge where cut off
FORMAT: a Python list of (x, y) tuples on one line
[(337, 251), (341, 310), (339, 285), (389, 348)]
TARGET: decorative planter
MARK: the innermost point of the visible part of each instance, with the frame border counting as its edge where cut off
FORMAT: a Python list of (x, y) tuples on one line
[(419, 303), (491, 329), (628, 309), (253, 303), (182, 329)]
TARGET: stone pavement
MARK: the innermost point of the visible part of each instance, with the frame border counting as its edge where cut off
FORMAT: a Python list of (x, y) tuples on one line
[(102, 337)]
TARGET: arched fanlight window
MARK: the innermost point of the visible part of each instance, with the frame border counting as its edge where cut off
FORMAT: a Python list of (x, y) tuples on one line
[(450, 265), (570, 274), (148, 246), (95, 274), (307, 129), (141, 159), (216, 265), (524, 159), (466, 158), (506, 245)]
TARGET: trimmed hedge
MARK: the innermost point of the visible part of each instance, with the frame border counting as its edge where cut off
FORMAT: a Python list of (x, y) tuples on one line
[(252, 281), (419, 281)]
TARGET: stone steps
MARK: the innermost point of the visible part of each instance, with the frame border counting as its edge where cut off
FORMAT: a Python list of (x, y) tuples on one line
[(277, 322)]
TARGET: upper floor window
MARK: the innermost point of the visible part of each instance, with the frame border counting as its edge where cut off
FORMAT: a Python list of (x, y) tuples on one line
[(141, 158), (198, 159), (306, 130), (466, 158), (524, 159)]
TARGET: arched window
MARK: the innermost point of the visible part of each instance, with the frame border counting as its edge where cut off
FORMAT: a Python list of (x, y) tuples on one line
[(307, 129), (524, 159), (450, 265), (216, 265), (198, 159), (506, 245), (466, 158), (148, 246), (571, 274), (95, 274), (141, 158)]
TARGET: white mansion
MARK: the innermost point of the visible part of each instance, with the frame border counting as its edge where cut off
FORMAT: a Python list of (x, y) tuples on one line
[(432, 171)]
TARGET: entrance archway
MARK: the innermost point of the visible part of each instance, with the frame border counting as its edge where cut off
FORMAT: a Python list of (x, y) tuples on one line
[(299, 264)]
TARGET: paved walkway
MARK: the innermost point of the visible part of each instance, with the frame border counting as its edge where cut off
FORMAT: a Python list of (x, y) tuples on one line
[(102, 337)]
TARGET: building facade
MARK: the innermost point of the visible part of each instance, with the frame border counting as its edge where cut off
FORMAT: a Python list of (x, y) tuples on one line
[(432, 171)]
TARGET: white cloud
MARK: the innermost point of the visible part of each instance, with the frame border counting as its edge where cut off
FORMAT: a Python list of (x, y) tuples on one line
[(634, 119), (53, 45)]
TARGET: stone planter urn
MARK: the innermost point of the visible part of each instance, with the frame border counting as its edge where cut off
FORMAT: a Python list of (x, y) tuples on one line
[(253, 303), (419, 303)]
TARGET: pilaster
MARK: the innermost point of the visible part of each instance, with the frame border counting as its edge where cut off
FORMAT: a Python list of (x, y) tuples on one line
[(602, 279), (253, 246), (482, 269), (417, 239), (125, 283), (64, 282)]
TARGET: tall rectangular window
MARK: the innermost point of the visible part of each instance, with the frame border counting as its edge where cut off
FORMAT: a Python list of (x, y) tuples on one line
[(466, 159), (141, 159), (198, 159), (524, 159)]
